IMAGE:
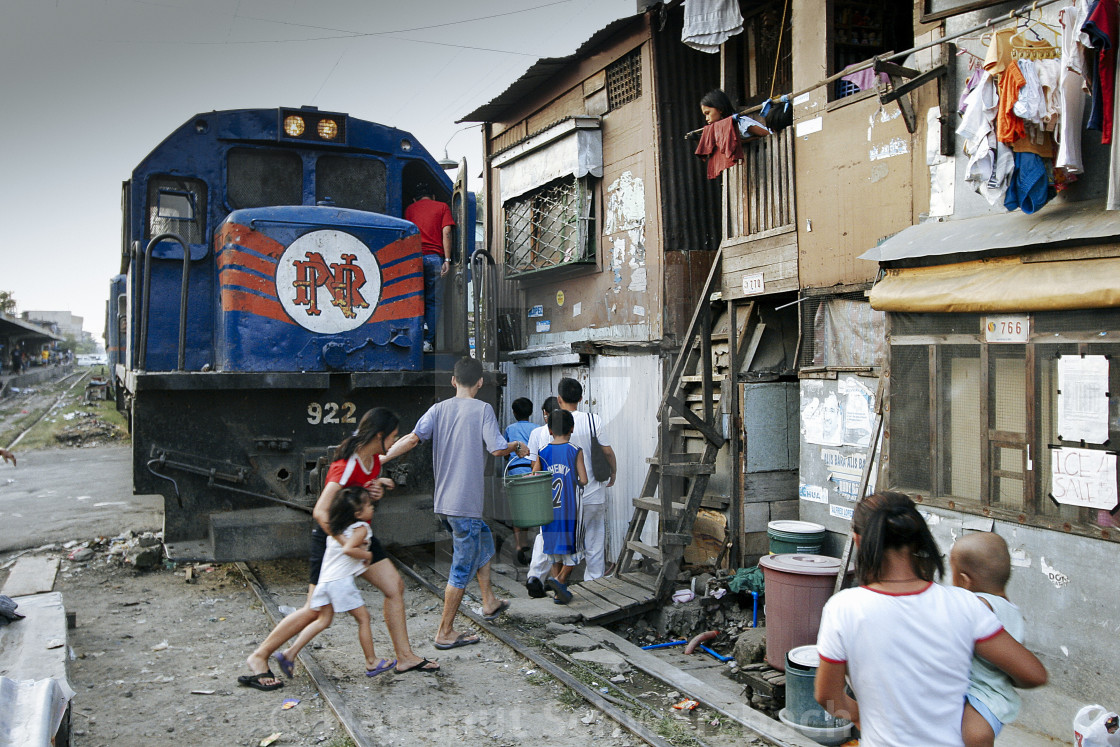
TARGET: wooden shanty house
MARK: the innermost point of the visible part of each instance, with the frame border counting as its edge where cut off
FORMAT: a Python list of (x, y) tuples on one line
[(947, 346), (604, 230)]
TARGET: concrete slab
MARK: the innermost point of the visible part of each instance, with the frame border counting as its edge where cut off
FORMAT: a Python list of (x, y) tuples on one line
[(1011, 736), (31, 575), (35, 647), (609, 660), (573, 642)]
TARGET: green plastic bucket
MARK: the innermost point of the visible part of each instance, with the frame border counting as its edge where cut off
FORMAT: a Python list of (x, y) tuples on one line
[(530, 498), (799, 537)]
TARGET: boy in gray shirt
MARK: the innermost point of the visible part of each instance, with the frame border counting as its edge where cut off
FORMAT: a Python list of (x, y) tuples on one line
[(462, 429)]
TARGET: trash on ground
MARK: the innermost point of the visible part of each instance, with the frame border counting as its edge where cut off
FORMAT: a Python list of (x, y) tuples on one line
[(289, 704), (270, 739), (686, 705)]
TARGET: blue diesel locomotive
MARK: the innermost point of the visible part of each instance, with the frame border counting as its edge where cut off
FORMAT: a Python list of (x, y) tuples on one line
[(270, 293)]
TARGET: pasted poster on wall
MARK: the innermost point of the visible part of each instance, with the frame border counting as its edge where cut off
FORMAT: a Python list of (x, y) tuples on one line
[(839, 418), (1083, 477), (1083, 398)]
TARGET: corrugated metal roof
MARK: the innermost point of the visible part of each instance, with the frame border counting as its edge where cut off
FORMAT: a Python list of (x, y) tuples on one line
[(19, 328), (540, 72), (1056, 225)]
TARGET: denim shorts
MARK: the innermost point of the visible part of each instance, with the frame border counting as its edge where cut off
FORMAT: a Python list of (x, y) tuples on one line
[(472, 547), (986, 712)]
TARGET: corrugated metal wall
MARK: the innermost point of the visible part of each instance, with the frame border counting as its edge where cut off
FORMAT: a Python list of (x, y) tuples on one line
[(690, 202), (624, 391)]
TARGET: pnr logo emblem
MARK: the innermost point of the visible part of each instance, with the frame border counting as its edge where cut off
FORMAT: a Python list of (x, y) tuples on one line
[(328, 282)]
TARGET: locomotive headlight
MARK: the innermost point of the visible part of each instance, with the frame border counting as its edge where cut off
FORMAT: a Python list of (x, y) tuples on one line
[(294, 125), (328, 129)]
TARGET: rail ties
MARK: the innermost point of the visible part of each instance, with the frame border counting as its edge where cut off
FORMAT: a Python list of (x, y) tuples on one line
[(613, 704)]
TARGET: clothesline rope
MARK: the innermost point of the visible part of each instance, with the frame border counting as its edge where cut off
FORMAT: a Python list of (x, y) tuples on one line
[(1011, 16)]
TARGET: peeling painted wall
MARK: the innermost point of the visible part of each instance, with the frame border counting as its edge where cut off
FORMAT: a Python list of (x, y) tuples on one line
[(621, 297), (1069, 592)]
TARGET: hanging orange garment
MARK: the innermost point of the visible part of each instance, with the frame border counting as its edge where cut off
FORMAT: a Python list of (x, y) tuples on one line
[(1009, 127), (719, 144)]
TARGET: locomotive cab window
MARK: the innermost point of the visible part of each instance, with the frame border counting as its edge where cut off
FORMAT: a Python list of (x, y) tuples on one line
[(357, 183), (177, 206), (257, 177)]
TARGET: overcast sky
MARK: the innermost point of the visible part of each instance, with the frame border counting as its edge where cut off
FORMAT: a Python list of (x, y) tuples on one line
[(91, 86)]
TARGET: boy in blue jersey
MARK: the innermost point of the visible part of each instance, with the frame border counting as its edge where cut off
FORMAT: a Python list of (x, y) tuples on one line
[(520, 431), (561, 542)]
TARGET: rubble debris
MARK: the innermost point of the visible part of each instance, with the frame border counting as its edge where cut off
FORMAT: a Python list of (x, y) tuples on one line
[(750, 646), (87, 429)]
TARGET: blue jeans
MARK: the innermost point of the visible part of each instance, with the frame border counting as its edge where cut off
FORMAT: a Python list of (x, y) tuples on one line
[(472, 546), (433, 294)]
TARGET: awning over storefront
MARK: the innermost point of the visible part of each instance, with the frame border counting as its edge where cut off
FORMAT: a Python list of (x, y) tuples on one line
[(1059, 224), (1003, 285), (572, 147)]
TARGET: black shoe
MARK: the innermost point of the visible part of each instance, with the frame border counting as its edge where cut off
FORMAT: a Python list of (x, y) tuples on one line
[(523, 555), (535, 587), (559, 591)]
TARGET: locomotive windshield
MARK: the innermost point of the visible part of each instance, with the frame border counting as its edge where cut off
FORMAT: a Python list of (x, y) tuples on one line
[(358, 183), (263, 178)]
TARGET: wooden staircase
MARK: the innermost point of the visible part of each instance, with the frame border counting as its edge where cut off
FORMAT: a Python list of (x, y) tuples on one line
[(690, 435)]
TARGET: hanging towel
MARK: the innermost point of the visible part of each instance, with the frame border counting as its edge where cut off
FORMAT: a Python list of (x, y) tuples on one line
[(866, 79), (719, 144), (709, 23), (1072, 82), (1103, 28), (1028, 188)]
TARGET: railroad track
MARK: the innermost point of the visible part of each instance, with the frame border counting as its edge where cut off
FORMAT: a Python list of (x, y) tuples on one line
[(77, 377), (614, 700)]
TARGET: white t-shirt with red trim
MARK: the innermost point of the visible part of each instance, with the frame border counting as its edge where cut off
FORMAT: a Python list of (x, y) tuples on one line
[(908, 658)]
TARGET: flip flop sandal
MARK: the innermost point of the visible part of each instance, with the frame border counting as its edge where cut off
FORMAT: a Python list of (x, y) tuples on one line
[(383, 666), (464, 639), (498, 612), (287, 666), (254, 681), (421, 667)]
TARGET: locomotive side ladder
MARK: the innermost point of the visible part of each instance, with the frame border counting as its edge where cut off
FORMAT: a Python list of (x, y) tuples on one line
[(691, 411)]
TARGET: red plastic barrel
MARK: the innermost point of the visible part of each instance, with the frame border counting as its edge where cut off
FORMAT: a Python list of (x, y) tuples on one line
[(797, 586)]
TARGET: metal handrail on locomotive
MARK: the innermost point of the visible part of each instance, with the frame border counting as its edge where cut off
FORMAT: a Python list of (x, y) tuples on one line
[(270, 292)]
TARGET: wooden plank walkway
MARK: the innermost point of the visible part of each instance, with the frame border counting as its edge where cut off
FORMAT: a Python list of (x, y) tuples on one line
[(612, 598)]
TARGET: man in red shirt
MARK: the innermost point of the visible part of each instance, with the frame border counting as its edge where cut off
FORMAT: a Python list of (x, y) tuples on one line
[(434, 220)]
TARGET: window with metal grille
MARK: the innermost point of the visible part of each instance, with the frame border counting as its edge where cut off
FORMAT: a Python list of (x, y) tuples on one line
[(973, 424), (549, 227), (177, 206), (351, 182), (261, 178), (624, 79)]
